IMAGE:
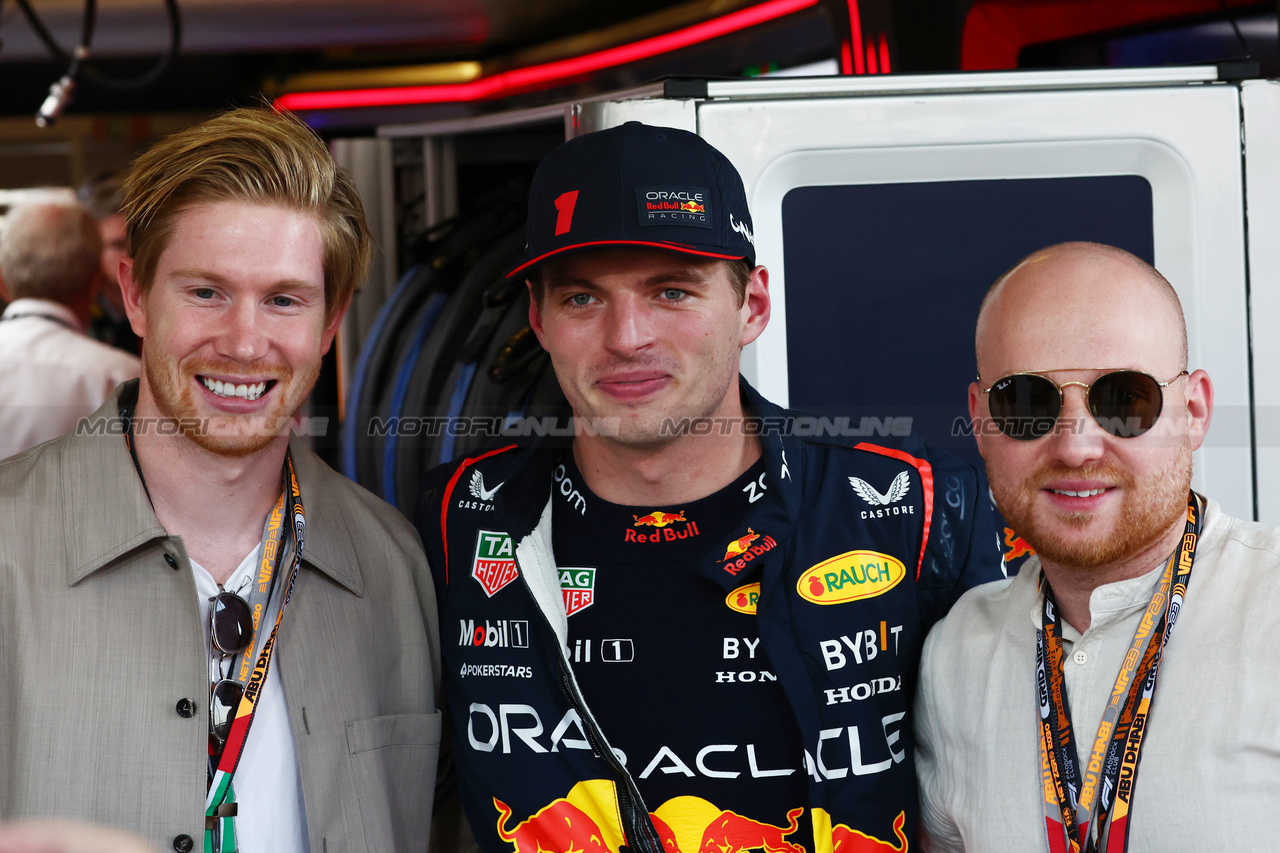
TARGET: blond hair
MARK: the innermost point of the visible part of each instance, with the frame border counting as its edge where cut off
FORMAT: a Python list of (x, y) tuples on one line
[(250, 155)]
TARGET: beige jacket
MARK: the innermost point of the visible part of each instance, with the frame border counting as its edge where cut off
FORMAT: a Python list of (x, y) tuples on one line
[(101, 647)]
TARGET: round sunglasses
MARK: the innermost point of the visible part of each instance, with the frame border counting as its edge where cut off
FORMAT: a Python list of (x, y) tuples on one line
[(1125, 403)]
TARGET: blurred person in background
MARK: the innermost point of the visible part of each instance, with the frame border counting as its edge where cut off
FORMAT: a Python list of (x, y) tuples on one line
[(103, 196), (51, 373)]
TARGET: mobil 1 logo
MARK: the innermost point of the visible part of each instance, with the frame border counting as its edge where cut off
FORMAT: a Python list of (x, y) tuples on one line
[(494, 633)]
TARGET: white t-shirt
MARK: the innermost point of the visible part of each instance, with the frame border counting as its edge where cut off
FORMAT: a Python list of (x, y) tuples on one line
[(268, 787)]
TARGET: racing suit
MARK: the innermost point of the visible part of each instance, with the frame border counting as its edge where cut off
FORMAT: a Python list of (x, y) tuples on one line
[(850, 580)]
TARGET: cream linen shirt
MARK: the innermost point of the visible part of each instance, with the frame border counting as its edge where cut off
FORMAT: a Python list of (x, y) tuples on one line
[(1209, 777)]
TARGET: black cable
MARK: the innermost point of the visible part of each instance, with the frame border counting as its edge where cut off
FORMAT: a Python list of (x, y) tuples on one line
[(88, 72), (157, 71), (1236, 27), (45, 35)]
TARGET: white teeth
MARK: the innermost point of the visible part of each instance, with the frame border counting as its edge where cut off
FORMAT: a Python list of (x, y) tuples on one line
[(228, 389), (1088, 493)]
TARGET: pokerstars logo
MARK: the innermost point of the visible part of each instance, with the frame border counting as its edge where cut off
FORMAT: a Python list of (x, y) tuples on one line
[(670, 527)]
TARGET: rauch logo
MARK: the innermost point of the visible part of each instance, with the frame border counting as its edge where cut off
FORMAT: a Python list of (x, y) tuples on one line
[(851, 576)]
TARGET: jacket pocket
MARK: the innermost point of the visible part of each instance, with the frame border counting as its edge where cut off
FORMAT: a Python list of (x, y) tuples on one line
[(393, 760)]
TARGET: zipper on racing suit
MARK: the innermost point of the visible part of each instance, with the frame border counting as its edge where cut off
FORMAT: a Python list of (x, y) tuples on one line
[(637, 827)]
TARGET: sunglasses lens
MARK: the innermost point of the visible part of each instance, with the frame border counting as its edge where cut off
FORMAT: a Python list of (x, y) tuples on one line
[(1024, 406), (222, 708), (1125, 403), (231, 623)]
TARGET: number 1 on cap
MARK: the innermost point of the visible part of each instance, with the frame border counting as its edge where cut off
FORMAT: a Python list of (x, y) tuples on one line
[(564, 207)]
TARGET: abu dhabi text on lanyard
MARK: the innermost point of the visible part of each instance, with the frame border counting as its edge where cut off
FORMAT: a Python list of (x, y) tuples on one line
[(1079, 808)]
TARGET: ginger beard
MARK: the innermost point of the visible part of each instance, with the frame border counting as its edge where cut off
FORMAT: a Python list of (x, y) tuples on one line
[(173, 387), (1150, 508)]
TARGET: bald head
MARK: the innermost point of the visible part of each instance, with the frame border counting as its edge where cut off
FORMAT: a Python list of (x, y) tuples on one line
[(1081, 305), (50, 250)]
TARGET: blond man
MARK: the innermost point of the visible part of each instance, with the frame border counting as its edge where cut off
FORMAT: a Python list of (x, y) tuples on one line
[(173, 660)]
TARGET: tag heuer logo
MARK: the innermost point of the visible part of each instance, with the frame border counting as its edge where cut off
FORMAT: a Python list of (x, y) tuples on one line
[(897, 490), (495, 563), (579, 588)]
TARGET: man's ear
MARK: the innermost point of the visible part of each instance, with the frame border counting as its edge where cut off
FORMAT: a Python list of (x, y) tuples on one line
[(535, 313), (134, 299), (757, 305), (1199, 407), (335, 322)]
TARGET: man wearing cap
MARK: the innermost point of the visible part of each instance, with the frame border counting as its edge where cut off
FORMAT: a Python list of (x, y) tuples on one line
[(207, 637), (689, 627), (1120, 692)]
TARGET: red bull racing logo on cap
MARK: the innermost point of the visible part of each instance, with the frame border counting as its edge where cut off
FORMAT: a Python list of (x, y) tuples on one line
[(674, 206), (851, 576), (664, 522), (494, 565)]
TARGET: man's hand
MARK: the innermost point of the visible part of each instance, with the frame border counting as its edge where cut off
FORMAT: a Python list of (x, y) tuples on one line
[(67, 837)]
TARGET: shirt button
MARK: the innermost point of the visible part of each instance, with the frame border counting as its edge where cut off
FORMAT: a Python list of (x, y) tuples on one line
[(183, 843), (185, 708), (1081, 657), (173, 564)]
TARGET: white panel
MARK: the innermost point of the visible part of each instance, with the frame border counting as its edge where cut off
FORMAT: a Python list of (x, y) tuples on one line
[(1185, 140), (1261, 101), (660, 112)]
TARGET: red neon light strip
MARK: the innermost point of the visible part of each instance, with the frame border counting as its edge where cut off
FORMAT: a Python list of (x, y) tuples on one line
[(540, 76), (884, 54), (855, 37)]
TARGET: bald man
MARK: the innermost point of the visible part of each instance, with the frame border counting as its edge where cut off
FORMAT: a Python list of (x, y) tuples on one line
[(1040, 693)]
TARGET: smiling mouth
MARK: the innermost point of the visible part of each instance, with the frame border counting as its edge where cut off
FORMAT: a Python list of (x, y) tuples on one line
[(229, 389), (1084, 493)]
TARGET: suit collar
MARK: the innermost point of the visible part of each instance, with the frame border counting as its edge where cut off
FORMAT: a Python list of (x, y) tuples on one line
[(96, 453)]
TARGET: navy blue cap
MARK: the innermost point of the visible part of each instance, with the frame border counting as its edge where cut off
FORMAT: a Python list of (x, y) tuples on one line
[(637, 185)]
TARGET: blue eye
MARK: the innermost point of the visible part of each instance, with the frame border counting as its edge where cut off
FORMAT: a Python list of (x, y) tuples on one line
[(580, 299), (204, 293)]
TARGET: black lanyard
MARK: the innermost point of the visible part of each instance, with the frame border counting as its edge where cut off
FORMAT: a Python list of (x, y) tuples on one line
[(1078, 800)]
